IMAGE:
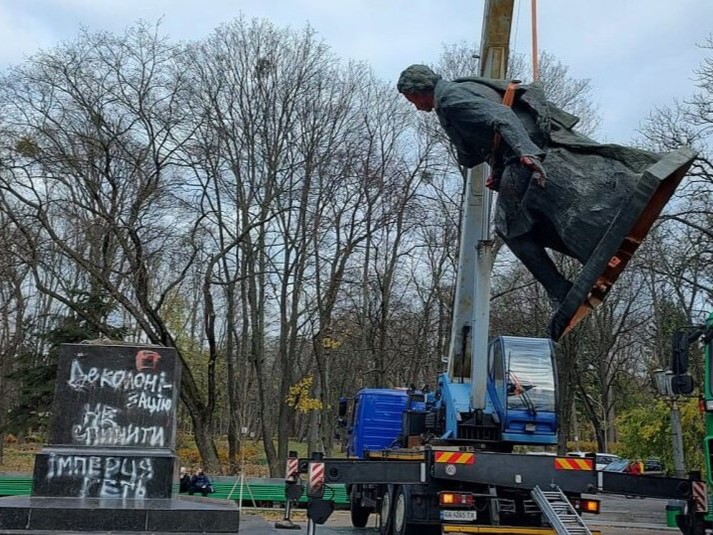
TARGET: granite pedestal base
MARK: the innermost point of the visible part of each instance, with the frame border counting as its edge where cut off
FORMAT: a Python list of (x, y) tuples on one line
[(180, 515)]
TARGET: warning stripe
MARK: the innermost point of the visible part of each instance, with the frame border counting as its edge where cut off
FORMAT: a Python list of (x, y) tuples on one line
[(292, 469), (455, 457), (573, 463), (316, 478), (700, 496)]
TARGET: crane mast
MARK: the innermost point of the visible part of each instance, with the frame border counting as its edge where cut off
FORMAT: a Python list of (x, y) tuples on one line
[(467, 359)]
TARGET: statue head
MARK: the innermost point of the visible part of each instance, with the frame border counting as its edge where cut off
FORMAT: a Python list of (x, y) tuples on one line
[(417, 79), (417, 83)]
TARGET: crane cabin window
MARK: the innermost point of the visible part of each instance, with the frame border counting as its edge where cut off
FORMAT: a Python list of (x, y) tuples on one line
[(497, 368), (530, 377)]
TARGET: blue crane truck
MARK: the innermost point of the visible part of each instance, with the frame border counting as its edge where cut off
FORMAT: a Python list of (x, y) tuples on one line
[(423, 472), (520, 405), (465, 472)]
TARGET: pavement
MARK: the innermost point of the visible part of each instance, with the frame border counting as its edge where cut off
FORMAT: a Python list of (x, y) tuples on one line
[(620, 516)]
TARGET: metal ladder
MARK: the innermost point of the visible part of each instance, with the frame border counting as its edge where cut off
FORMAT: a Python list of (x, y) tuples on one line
[(560, 514)]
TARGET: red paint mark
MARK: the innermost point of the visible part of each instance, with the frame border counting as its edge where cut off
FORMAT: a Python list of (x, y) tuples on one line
[(147, 360)]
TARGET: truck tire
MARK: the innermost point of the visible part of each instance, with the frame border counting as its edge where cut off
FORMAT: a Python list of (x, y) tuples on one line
[(359, 513), (386, 511), (402, 513)]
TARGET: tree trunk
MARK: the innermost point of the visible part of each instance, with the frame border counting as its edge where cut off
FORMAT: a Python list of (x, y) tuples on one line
[(313, 433), (200, 413), (205, 444), (566, 358)]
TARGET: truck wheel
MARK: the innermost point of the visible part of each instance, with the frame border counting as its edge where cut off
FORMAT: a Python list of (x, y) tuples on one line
[(360, 514), (386, 512), (402, 513)]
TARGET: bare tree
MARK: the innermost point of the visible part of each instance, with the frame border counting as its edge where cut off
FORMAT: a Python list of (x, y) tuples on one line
[(274, 154), (14, 320), (91, 130)]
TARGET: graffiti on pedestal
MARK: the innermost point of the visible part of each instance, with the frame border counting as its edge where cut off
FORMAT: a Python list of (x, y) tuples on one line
[(123, 397), (103, 477)]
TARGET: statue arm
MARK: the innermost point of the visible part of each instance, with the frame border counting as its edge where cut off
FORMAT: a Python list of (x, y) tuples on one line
[(471, 118)]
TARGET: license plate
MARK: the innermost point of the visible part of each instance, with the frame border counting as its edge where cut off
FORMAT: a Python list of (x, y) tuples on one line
[(458, 516)]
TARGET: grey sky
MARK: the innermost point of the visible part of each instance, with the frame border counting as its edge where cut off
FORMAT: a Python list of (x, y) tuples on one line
[(637, 53)]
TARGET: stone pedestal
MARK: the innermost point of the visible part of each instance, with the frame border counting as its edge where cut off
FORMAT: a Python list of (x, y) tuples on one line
[(180, 515), (111, 454)]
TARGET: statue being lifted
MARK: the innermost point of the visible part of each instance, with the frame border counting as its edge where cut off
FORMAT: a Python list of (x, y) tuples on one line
[(557, 188)]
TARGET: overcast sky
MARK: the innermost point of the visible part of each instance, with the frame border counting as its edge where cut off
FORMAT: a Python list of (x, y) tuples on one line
[(637, 53)]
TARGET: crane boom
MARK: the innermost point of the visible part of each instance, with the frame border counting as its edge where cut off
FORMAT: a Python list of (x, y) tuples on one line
[(471, 311)]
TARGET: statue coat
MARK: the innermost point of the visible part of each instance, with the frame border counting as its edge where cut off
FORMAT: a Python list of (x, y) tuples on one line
[(587, 182)]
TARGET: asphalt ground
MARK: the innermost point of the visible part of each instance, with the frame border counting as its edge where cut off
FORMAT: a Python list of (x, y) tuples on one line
[(620, 516)]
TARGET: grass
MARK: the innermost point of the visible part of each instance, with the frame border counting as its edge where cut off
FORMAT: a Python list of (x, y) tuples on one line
[(19, 457)]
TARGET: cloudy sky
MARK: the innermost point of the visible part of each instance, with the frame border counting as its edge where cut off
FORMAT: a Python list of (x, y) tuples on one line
[(638, 54)]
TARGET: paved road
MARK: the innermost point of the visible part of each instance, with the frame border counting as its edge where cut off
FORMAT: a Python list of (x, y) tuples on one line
[(620, 516)]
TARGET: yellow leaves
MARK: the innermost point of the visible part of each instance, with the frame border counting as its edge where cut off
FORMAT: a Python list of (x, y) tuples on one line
[(650, 430), (330, 343), (299, 397)]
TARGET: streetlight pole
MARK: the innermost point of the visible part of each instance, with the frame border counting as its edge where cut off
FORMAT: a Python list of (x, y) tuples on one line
[(663, 378), (679, 466)]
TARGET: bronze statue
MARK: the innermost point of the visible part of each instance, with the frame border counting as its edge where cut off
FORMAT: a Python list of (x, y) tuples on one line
[(558, 189)]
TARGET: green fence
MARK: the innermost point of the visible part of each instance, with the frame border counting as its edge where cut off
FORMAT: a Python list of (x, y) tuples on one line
[(15, 484), (254, 492)]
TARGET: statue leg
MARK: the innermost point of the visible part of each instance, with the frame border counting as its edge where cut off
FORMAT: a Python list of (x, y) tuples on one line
[(539, 263)]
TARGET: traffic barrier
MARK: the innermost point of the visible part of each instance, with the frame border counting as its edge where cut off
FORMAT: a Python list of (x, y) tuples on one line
[(293, 491), (316, 479), (700, 496), (318, 509), (292, 467)]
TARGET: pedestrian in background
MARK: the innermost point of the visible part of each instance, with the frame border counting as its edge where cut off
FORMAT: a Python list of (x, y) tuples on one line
[(200, 483)]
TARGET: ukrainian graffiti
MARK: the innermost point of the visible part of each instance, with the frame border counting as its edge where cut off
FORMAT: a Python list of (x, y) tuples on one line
[(99, 427), (113, 424), (125, 399), (147, 391), (155, 384), (103, 477)]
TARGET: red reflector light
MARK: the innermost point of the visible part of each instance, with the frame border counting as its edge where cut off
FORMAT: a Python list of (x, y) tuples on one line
[(456, 499), (589, 506)]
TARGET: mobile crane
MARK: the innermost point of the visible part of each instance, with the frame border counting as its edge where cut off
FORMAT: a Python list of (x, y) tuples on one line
[(442, 461)]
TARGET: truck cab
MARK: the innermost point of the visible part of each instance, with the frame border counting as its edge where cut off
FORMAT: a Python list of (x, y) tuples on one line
[(522, 389), (377, 418)]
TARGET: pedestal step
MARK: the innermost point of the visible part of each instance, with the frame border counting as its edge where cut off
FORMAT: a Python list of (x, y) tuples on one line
[(181, 515)]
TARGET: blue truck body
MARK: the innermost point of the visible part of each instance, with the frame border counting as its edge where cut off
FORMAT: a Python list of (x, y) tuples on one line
[(521, 395), (377, 419)]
